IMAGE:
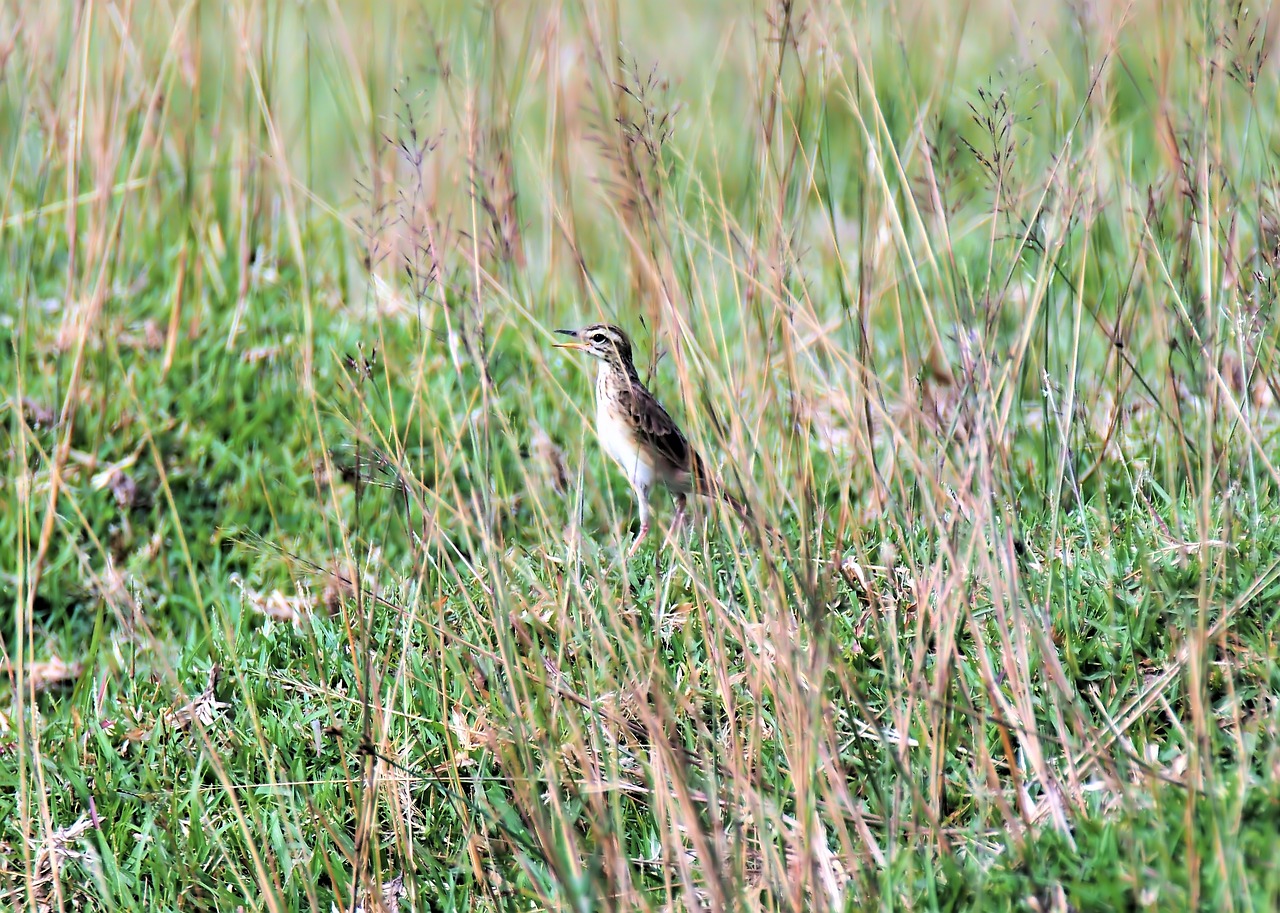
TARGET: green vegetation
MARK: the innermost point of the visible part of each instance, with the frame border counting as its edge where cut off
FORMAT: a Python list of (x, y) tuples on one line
[(318, 579)]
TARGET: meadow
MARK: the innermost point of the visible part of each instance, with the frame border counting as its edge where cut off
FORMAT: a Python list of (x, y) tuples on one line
[(318, 575)]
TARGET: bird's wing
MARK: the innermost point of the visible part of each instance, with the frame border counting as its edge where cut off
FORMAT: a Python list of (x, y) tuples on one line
[(657, 429)]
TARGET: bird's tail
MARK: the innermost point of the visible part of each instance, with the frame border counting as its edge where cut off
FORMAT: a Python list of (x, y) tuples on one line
[(713, 488), (709, 485), (719, 491)]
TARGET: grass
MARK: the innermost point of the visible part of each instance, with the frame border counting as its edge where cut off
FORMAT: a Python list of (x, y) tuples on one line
[(319, 588)]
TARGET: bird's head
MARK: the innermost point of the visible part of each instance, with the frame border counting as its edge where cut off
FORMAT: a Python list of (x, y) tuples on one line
[(599, 340)]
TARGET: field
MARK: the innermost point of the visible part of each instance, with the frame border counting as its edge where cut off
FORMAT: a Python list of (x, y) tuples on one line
[(320, 588)]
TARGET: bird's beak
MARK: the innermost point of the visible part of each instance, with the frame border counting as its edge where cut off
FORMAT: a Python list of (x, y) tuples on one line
[(572, 334)]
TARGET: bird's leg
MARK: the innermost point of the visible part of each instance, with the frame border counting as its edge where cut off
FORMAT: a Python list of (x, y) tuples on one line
[(642, 501), (635, 545), (677, 521), (681, 519)]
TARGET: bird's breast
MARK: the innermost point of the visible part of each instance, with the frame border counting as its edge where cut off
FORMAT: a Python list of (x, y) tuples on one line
[(620, 439)]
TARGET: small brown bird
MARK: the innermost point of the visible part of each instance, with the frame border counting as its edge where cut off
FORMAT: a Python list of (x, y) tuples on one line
[(636, 431)]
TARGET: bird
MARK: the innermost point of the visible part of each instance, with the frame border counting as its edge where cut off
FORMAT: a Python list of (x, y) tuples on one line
[(636, 432)]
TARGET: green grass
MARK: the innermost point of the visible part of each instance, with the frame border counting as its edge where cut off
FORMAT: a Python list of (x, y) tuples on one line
[(975, 309)]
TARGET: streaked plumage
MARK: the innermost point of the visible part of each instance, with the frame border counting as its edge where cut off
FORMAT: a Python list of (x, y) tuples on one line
[(634, 429)]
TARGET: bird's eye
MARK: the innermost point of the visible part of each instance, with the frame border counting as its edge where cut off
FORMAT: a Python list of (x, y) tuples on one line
[(599, 337)]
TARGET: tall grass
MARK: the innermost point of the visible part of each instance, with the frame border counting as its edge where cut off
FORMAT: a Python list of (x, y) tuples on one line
[(319, 579)]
